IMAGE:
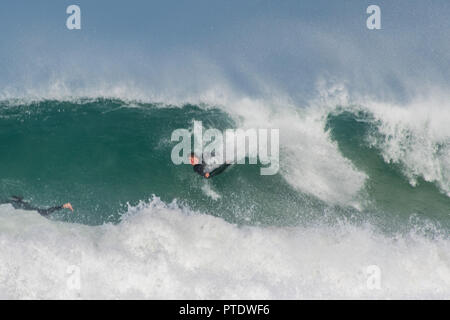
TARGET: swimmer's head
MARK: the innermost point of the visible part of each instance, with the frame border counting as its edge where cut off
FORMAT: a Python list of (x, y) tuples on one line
[(193, 159)]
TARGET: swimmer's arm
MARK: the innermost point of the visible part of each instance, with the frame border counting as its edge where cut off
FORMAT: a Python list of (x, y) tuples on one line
[(216, 171), (46, 212)]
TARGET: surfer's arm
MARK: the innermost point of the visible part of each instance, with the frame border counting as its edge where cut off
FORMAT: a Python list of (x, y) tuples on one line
[(217, 171), (200, 169), (46, 212)]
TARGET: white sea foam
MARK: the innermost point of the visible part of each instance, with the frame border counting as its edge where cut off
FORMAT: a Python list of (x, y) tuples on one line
[(164, 251), (209, 191)]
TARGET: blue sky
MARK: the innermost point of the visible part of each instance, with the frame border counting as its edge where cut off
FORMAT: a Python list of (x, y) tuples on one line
[(288, 44)]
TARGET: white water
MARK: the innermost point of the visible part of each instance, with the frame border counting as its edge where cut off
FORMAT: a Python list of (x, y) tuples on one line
[(163, 251), (209, 191)]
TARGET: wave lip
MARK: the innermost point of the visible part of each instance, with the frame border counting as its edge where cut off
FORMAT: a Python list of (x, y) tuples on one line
[(416, 136)]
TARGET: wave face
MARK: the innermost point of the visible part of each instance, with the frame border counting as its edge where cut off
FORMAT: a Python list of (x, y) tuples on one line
[(355, 188)]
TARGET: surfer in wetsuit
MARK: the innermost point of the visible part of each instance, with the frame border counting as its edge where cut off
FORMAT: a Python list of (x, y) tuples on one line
[(201, 168), (18, 203)]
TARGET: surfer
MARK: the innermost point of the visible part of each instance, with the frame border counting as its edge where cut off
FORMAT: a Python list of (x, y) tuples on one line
[(201, 168), (19, 203)]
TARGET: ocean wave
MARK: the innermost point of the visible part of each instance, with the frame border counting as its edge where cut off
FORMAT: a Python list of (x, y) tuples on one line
[(311, 161), (414, 135)]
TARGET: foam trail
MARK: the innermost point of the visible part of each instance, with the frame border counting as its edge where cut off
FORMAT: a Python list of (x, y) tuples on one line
[(164, 251), (209, 191)]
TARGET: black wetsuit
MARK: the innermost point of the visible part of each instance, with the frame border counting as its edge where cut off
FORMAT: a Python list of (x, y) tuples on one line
[(18, 203), (201, 169)]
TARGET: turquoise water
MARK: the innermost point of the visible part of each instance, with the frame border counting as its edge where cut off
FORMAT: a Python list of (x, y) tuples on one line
[(103, 154)]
